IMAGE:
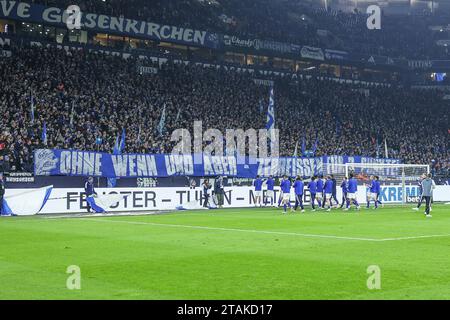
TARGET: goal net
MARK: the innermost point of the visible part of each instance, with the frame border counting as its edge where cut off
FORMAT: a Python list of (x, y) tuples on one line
[(402, 176)]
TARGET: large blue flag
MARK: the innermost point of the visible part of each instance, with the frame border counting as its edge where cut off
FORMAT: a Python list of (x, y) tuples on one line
[(122, 141), (112, 182), (270, 125), (116, 149)]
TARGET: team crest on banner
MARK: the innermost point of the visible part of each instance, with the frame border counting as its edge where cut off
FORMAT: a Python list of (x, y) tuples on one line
[(45, 161), (128, 165)]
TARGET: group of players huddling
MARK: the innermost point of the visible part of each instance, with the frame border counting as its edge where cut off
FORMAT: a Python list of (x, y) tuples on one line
[(322, 192)]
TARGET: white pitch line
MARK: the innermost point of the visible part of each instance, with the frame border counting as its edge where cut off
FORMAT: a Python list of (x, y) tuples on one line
[(256, 231), (234, 230), (269, 232), (416, 237)]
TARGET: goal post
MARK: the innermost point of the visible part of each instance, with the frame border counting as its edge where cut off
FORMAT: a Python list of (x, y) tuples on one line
[(396, 174), (399, 181)]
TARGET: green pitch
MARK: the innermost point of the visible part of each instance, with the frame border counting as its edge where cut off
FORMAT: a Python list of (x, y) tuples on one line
[(229, 254)]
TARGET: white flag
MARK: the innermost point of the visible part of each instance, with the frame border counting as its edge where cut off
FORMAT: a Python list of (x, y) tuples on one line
[(162, 122)]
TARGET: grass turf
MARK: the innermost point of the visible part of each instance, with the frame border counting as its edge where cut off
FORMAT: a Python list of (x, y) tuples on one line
[(271, 256)]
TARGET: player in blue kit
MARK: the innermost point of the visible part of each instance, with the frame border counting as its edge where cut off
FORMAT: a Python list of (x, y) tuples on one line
[(319, 193), (372, 192), (312, 186), (280, 197), (352, 193), (334, 193), (258, 190), (328, 192), (285, 186), (270, 182), (344, 188), (298, 187)]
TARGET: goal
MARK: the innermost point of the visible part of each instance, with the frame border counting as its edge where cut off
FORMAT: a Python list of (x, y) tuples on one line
[(403, 176)]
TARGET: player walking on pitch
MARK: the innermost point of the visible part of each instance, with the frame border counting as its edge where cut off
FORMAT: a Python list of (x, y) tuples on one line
[(352, 193), (378, 190), (328, 193), (319, 192), (334, 193), (312, 187), (298, 187), (280, 198), (258, 190), (344, 188), (372, 192), (270, 193), (286, 188)]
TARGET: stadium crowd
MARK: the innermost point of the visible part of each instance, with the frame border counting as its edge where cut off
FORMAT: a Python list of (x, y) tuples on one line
[(85, 96), (407, 36)]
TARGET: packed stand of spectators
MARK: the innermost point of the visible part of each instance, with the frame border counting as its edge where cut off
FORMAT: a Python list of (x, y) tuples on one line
[(406, 36), (356, 121), (85, 96), (290, 21)]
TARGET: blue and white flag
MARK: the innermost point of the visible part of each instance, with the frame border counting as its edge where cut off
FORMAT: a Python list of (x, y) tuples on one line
[(122, 141), (270, 126), (386, 153), (44, 134), (102, 203), (162, 121), (116, 149), (178, 115), (112, 182), (303, 146), (295, 151), (25, 203)]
